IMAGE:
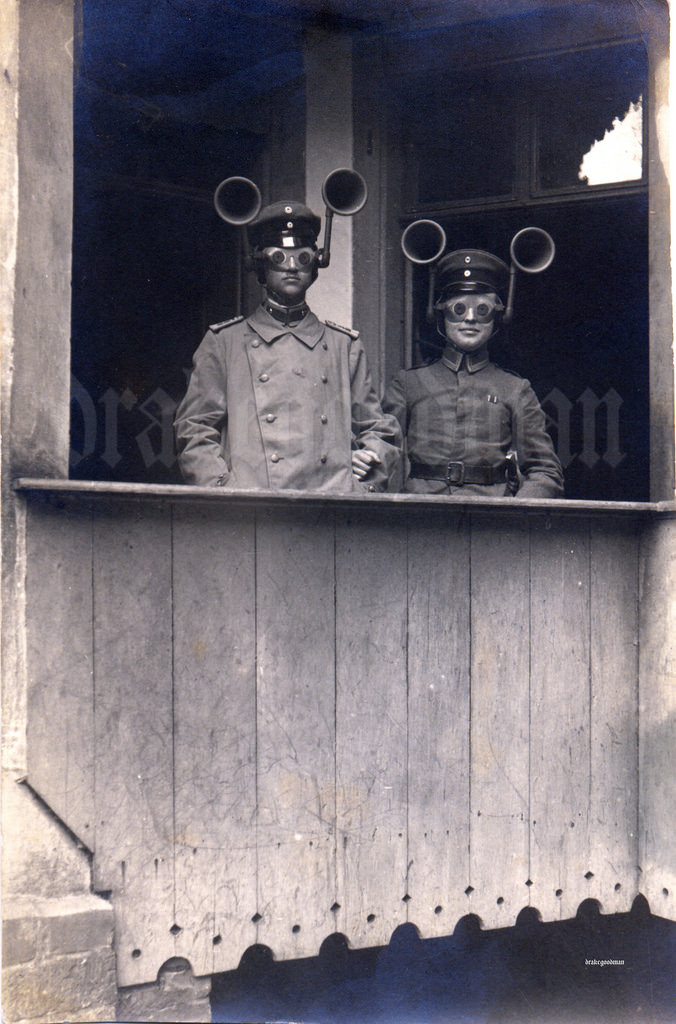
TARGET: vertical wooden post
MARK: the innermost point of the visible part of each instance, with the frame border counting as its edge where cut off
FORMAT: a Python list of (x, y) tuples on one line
[(662, 446), (657, 718)]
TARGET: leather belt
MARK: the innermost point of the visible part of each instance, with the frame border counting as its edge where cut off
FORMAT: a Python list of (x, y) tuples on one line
[(455, 474)]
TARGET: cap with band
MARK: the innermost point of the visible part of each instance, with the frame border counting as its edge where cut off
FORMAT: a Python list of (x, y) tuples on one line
[(286, 225), (471, 270)]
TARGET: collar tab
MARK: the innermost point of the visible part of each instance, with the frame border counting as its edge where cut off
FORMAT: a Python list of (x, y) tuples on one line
[(470, 361)]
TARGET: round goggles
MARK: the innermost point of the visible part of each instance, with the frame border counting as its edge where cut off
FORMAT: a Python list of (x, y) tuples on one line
[(283, 259), (482, 308)]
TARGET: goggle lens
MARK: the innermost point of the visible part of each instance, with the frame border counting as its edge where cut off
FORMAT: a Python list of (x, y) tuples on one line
[(281, 258), (483, 310)]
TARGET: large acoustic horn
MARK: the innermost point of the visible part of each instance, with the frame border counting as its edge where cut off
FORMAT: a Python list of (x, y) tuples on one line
[(423, 242), (531, 250), (344, 192), (238, 201)]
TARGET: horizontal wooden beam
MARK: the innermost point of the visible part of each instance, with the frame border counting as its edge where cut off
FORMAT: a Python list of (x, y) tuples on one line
[(172, 493)]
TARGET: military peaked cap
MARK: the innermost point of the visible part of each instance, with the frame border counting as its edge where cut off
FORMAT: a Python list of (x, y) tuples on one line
[(287, 221), (471, 270)]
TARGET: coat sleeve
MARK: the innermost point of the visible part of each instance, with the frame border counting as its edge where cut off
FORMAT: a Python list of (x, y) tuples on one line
[(538, 461), (395, 403), (201, 416), (371, 427)]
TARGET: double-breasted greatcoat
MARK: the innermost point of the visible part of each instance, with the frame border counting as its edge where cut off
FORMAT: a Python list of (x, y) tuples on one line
[(278, 407), (464, 411)]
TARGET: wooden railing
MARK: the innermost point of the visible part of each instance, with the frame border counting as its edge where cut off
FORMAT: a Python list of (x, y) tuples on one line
[(275, 717)]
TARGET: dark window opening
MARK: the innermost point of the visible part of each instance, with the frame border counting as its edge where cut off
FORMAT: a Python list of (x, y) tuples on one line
[(522, 129), (164, 110)]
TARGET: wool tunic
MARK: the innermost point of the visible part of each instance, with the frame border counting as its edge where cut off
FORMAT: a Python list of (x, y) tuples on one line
[(463, 408), (278, 407)]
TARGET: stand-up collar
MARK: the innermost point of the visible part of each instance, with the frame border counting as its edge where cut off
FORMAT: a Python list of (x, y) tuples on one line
[(309, 330), (286, 315), (470, 361)]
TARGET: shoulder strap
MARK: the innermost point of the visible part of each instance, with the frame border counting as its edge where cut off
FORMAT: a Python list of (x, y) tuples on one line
[(346, 330), (225, 323)]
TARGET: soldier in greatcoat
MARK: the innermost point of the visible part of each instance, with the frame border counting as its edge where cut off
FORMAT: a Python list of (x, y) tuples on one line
[(470, 426), (280, 399)]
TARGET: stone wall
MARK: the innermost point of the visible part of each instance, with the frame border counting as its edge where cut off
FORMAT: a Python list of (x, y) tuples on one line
[(57, 936)]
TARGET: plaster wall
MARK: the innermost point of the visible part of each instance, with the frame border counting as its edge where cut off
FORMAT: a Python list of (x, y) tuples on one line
[(58, 960), (328, 145)]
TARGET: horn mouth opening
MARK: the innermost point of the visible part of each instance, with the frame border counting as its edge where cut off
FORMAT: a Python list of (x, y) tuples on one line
[(237, 201), (344, 191), (532, 250), (423, 241)]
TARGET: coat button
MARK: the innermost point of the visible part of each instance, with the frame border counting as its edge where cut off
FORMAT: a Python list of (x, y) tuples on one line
[(264, 378), (274, 457), (255, 343), (323, 458), (270, 417), (323, 418), (324, 379)]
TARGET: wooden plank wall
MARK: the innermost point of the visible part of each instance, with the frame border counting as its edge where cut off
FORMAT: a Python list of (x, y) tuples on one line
[(276, 723)]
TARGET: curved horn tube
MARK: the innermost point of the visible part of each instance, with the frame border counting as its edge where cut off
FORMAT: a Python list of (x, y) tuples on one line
[(238, 201), (531, 250), (344, 192), (423, 242)]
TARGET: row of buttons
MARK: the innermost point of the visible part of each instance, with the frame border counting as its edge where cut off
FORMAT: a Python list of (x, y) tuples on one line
[(270, 418), (256, 342), (264, 378), (275, 457)]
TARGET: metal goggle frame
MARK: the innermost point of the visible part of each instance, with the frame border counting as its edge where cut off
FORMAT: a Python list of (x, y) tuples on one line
[(456, 309), (303, 258)]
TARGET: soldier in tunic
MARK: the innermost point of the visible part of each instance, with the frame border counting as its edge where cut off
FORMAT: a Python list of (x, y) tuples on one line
[(280, 399), (470, 426)]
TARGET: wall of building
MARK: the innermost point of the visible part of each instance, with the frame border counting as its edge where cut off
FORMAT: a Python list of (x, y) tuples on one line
[(58, 961)]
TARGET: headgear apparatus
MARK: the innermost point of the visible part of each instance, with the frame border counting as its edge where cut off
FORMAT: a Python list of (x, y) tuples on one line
[(472, 270), (288, 224), (279, 228)]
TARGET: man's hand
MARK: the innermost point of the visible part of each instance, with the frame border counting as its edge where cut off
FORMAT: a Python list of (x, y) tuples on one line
[(363, 461)]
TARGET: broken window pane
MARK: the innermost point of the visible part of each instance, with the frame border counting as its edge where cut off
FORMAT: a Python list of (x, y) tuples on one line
[(590, 119), (618, 156)]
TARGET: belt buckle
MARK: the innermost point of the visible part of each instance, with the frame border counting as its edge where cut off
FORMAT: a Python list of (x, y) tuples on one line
[(455, 474)]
